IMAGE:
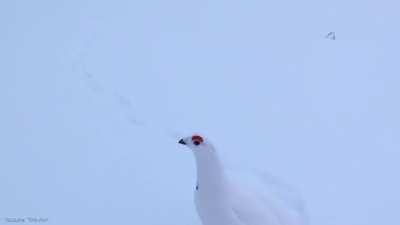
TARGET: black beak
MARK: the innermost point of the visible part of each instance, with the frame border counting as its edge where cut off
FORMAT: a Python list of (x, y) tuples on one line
[(182, 142)]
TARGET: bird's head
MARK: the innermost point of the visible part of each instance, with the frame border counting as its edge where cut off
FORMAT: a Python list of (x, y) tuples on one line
[(207, 160), (194, 142)]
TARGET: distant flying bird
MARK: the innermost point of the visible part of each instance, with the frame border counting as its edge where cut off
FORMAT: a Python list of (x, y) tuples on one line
[(331, 35), (221, 201)]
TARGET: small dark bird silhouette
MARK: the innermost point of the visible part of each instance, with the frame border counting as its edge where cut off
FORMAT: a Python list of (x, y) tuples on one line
[(331, 35)]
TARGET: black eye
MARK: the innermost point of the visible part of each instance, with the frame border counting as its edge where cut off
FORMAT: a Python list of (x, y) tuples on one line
[(196, 142)]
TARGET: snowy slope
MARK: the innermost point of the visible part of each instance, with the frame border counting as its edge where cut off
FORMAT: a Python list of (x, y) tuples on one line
[(93, 93)]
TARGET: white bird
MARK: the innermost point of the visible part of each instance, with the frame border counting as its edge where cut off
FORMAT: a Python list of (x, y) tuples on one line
[(221, 201)]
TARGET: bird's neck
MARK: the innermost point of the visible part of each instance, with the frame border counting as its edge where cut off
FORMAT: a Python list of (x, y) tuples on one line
[(210, 172)]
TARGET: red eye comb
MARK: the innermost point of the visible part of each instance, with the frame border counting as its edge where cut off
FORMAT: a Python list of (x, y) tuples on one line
[(197, 138)]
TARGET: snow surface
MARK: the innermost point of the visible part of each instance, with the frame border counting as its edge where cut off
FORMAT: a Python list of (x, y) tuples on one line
[(94, 93)]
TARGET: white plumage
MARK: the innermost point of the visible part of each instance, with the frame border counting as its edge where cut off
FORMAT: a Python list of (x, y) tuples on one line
[(223, 201)]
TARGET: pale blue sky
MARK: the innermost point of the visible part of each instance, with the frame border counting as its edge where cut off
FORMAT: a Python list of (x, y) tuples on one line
[(257, 77)]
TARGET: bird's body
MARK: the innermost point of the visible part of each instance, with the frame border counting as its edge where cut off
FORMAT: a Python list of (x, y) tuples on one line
[(233, 207), (221, 201), (211, 195)]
